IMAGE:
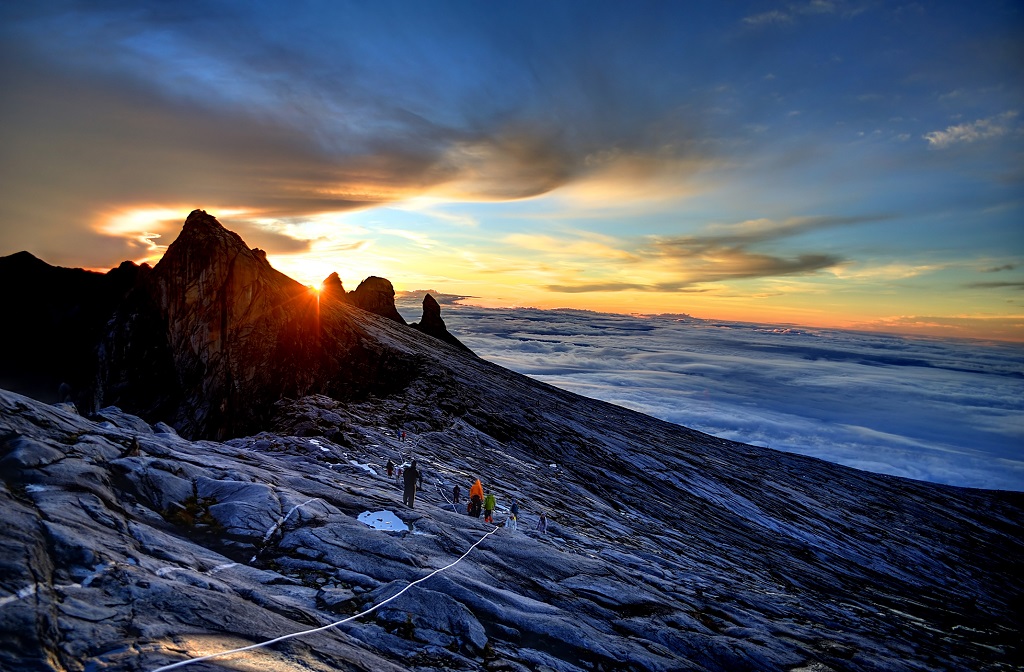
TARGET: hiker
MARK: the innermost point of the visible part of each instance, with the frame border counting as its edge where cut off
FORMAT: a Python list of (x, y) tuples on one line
[(489, 506), (455, 494), (390, 468), (542, 524), (412, 474), (419, 479), (398, 477), (515, 508), (512, 523), (476, 499)]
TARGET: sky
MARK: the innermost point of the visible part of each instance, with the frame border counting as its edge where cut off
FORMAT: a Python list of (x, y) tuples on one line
[(927, 408), (837, 164)]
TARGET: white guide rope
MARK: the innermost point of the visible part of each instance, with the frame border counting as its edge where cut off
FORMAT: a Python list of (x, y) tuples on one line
[(330, 625)]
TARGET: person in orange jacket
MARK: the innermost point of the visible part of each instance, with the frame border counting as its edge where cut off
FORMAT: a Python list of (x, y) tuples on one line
[(476, 499)]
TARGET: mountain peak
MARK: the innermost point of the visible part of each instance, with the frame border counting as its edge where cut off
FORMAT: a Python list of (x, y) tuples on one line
[(216, 336), (207, 237), (23, 259), (201, 218)]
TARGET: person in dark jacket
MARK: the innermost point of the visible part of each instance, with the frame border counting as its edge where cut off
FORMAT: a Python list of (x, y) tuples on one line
[(390, 468), (456, 491), (412, 477)]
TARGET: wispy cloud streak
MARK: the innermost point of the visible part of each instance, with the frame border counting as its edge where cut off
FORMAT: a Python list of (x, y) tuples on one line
[(981, 129)]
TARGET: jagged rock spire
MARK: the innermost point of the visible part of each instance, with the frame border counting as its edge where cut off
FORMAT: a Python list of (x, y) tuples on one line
[(332, 286), (432, 324)]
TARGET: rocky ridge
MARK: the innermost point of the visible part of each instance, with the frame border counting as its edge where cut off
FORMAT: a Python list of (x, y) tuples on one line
[(126, 546), (206, 341)]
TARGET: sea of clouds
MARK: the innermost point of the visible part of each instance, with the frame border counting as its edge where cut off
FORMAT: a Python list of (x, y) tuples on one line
[(936, 410)]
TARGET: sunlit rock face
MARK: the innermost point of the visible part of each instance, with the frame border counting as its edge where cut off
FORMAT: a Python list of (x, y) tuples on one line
[(332, 287), (432, 324), (215, 336)]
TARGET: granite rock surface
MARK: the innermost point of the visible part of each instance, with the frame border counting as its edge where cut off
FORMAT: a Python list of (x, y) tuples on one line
[(125, 546)]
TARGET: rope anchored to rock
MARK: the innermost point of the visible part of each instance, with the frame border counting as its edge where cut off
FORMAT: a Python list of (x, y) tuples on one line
[(303, 633)]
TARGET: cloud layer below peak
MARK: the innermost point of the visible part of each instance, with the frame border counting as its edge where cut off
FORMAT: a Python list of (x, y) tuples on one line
[(929, 409)]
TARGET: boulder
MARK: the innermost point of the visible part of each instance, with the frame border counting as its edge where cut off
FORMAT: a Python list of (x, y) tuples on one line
[(376, 295), (22, 452)]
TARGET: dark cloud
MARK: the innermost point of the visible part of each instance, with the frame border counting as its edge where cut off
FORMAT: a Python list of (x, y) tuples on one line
[(123, 104), (725, 253), (761, 231), (76, 147), (256, 236), (995, 285), (729, 264), (737, 263), (415, 297), (599, 287), (998, 269)]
